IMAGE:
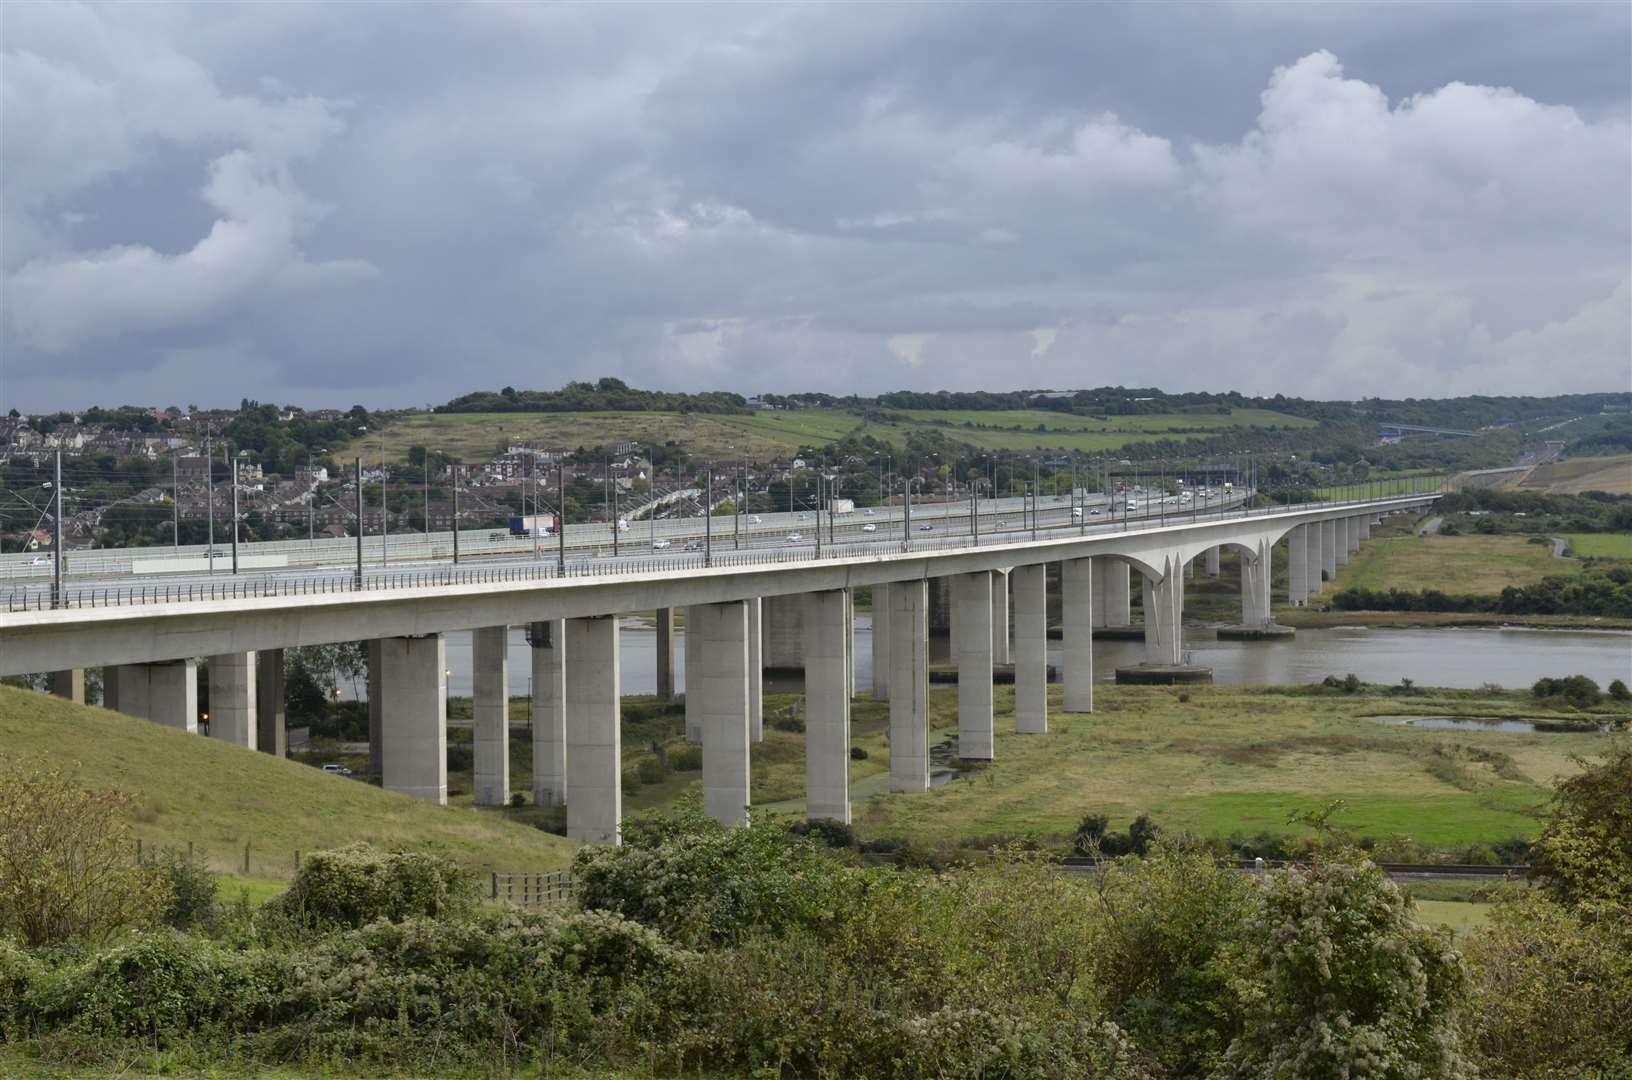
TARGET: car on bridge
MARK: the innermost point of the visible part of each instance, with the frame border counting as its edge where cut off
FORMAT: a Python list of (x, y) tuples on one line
[(794, 538), (660, 545), (926, 527), (869, 527)]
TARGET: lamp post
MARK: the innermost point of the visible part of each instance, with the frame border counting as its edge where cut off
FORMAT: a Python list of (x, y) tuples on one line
[(357, 578), (56, 537), (209, 493)]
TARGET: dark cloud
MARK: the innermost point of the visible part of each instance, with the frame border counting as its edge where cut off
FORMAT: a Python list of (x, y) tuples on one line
[(343, 202)]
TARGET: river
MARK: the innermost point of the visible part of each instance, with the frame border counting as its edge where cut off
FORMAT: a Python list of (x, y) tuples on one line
[(1455, 657)]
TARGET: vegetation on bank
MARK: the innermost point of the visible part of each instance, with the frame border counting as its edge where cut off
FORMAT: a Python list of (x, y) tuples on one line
[(695, 950)]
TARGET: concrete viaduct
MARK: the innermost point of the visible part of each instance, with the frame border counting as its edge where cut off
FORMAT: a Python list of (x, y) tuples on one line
[(738, 614)]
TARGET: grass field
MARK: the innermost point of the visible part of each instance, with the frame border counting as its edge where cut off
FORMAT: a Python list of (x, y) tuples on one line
[(1611, 474), (763, 435), (221, 797), (1600, 545), (1481, 565)]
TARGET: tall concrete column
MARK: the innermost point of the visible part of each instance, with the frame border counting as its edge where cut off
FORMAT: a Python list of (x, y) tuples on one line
[(376, 706), (881, 642), (594, 738), (1190, 569), (1297, 566), (233, 701), (164, 693), (1029, 584), (909, 686), (1118, 578), (1212, 561), (69, 684), (490, 705), (1328, 549), (1353, 533), (1000, 618), (972, 647), (1077, 633), (717, 703), (665, 654), (940, 605), (269, 703), (1164, 615), (1316, 561), (784, 636), (110, 687), (827, 708), (756, 673), (414, 717), (850, 642), (1365, 526), (1341, 540), (548, 641), (1096, 577), (1255, 575)]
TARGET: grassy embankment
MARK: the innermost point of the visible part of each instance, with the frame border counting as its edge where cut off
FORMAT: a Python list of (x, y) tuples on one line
[(1572, 477), (189, 789), (761, 436), (1397, 556), (1600, 545)]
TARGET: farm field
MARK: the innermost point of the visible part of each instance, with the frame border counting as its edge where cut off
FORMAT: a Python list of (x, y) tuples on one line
[(219, 797), (472, 437), (1571, 477), (1600, 545)]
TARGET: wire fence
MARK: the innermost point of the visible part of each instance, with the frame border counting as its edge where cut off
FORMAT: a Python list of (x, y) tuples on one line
[(534, 890), (269, 587)]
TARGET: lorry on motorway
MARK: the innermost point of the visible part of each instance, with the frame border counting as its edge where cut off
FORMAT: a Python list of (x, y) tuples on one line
[(532, 525)]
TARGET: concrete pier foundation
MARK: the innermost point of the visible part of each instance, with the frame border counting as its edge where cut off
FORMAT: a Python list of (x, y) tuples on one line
[(717, 702), (233, 700), (665, 654), (594, 737), (548, 641), (881, 642), (972, 648), (414, 716), (909, 686), (1164, 616), (269, 703), (1297, 566), (490, 704), (163, 693), (69, 685), (1029, 584), (827, 707), (1077, 634), (1000, 618)]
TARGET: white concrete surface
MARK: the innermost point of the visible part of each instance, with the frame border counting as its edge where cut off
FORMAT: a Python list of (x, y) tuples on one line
[(881, 642), (233, 700), (414, 717), (827, 707), (594, 735), (972, 649), (1164, 615), (756, 670), (1029, 587), (909, 686), (1000, 618), (490, 707), (1297, 566), (1077, 634), (717, 703), (165, 693)]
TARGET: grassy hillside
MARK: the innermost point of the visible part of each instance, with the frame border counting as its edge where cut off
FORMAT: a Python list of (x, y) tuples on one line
[(1611, 474), (1452, 564), (764, 435), (219, 797)]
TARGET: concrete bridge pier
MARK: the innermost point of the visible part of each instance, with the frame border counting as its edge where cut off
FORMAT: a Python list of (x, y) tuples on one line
[(1212, 561), (940, 605), (1077, 633), (1365, 526), (1297, 566), (1001, 654), (827, 707), (69, 685), (273, 737), (881, 642), (717, 704), (1164, 616), (756, 671), (782, 619), (490, 704), (909, 686), (165, 693), (972, 647), (594, 738), (1341, 540), (549, 712), (1354, 524), (414, 716), (1312, 568), (1030, 587), (376, 698), (1112, 589), (850, 641), (233, 699), (665, 654), (1328, 549), (1255, 576)]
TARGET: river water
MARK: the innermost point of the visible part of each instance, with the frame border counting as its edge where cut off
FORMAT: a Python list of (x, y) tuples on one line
[(1454, 657)]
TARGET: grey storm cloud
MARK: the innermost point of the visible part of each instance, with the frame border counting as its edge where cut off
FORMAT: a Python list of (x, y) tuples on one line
[(394, 205)]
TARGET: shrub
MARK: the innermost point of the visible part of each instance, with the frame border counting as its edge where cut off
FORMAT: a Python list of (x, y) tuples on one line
[(461, 757), (518, 799), (192, 889), (1584, 854), (1578, 690), (651, 771), (858, 754), (686, 758), (1349, 983), (65, 873), (356, 885), (825, 831), (1618, 691)]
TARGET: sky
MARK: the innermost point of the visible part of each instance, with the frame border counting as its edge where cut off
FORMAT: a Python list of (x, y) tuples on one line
[(393, 205)]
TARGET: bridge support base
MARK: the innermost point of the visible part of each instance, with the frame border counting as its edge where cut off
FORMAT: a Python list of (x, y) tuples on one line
[(717, 704), (549, 712), (827, 707), (909, 686), (594, 738), (1162, 675)]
